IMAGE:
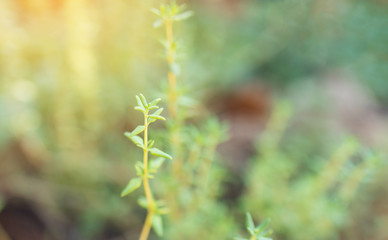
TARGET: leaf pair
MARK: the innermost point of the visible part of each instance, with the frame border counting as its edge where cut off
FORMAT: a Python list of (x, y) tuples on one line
[(153, 166), (143, 105), (259, 233), (157, 221), (159, 207)]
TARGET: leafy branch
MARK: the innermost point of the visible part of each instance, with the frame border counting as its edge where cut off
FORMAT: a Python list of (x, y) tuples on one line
[(167, 14), (146, 169)]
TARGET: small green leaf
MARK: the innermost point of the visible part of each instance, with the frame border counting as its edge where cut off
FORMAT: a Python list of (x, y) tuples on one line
[(162, 9), (131, 186), (138, 141), (162, 210), (157, 23), (155, 101), (156, 163), (173, 47), (249, 223), (156, 117), (137, 130), (141, 109), (181, 7), (151, 120), (158, 112), (142, 201), (157, 225), (150, 176), (139, 166), (183, 16), (143, 100), (156, 11), (173, 9), (140, 103), (159, 153), (150, 143), (263, 225)]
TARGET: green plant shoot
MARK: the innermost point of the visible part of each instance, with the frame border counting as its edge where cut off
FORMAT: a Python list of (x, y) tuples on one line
[(260, 232), (146, 168), (167, 14)]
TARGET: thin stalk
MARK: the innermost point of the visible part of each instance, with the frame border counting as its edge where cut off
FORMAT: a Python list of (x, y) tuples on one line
[(172, 101), (172, 82), (147, 189)]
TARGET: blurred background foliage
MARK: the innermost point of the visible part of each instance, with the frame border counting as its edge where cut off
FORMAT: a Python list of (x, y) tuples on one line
[(69, 70)]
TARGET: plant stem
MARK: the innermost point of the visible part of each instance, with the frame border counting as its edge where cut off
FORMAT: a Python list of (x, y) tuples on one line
[(148, 222), (172, 82), (172, 102)]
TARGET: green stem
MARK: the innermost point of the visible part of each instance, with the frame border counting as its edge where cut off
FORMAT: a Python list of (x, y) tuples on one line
[(172, 100), (177, 164), (172, 82), (147, 189)]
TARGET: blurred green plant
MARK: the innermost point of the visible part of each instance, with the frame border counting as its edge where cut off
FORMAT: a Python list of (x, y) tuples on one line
[(256, 233), (294, 197), (67, 68), (284, 42), (168, 14), (146, 169), (192, 182)]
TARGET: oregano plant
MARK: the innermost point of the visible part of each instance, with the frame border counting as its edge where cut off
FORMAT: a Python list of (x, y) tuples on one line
[(146, 169)]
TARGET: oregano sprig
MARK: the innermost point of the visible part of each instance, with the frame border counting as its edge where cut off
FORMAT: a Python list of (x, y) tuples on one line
[(146, 168), (167, 14)]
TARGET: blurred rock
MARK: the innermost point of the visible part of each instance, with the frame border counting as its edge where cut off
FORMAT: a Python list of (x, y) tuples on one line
[(20, 222), (353, 109), (246, 109)]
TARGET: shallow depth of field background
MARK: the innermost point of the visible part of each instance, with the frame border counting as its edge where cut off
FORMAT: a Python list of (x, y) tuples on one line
[(314, 70)]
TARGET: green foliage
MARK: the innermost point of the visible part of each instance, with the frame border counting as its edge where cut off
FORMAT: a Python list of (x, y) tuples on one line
[(285, 42), (146, 169), (64, 103), (278, 186), (190, 183), (256, 233)]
